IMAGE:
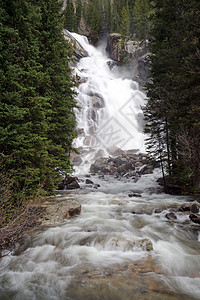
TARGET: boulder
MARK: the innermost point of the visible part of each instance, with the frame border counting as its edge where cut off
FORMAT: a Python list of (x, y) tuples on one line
[(69, 183), (195, 218), (114, 150), (79, 52), (97, 102), (194, 208), (171, 216), (145, 244), (72, 212), (77, 160), (134, 195), (158, 210), (88, 181), (125, 164), (57, 211)]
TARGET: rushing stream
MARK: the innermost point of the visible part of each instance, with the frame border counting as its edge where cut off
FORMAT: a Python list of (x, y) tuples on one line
[(119, 247)]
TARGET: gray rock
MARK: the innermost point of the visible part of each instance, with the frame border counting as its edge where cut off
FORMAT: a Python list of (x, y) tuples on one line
[(79, 52), (145, 244), (171, 216), (134, 195), (158, 210), (88, 181), (136, 57), (195, 218)]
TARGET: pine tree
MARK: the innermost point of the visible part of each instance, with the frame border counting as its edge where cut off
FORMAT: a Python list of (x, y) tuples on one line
[(54, 58), (141, 12), (173, 108), (78, 15), (70, 17), (125, 21), (23, 144), (36, 109)]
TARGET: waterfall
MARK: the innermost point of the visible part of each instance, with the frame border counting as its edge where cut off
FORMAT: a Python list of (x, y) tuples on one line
[(120, 247), (109, 112)]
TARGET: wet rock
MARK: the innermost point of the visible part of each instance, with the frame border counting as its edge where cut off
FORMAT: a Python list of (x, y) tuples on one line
[(114, 150), (184, 208), (73, 186), (79, 52), (69, 183), (134, 195), (100, 153), (195, 218), (124, 164), (97, 102), (158, 210), (61, 186), (116, 202), (57, 211), (96, 185), (77, 160), (194, 208), (72, 212), (114, 46), (88, 181), (145, 244), (141, 212), (135, 57), (171, 216), (111, 64)]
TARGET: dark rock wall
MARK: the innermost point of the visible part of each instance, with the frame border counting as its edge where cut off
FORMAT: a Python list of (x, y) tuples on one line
[(134, 56)]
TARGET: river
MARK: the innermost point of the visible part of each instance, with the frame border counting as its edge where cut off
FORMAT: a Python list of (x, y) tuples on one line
[(119, 247)]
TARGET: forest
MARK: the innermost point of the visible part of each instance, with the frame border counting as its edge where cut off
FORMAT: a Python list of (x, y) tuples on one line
[(37, 120)]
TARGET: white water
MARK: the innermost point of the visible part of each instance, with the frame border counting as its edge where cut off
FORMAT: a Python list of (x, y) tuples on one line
[(119, 119), (62, 262), (72, 260)]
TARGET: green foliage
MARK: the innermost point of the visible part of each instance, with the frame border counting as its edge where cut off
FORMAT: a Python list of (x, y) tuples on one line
[(125, 22), (126, 17), (141, 13), (36, 109), (173, 109), (70, 20)]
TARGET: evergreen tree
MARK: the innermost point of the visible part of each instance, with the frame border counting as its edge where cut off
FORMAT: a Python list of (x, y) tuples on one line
[(173, 108), (78, 15), (54, 59), (125, 21), (23, 145), (70, 17), (36, 109), (141, 12)]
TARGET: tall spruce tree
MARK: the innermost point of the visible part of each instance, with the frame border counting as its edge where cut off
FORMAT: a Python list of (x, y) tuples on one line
[(70, 17), (36, 109), (141, 12), (173, 107), (54, 59), (23, 125)]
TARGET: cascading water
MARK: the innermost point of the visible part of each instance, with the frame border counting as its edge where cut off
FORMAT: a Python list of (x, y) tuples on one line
[(110, 111), (119, 247)]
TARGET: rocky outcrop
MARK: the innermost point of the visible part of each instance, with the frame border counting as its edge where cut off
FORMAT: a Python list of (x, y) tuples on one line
[(57, 211), (79, 52), (127, 164), (69, 183), (114, 46), (134, 55)]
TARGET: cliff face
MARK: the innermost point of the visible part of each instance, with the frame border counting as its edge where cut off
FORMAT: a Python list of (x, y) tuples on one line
[(134, 55)]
